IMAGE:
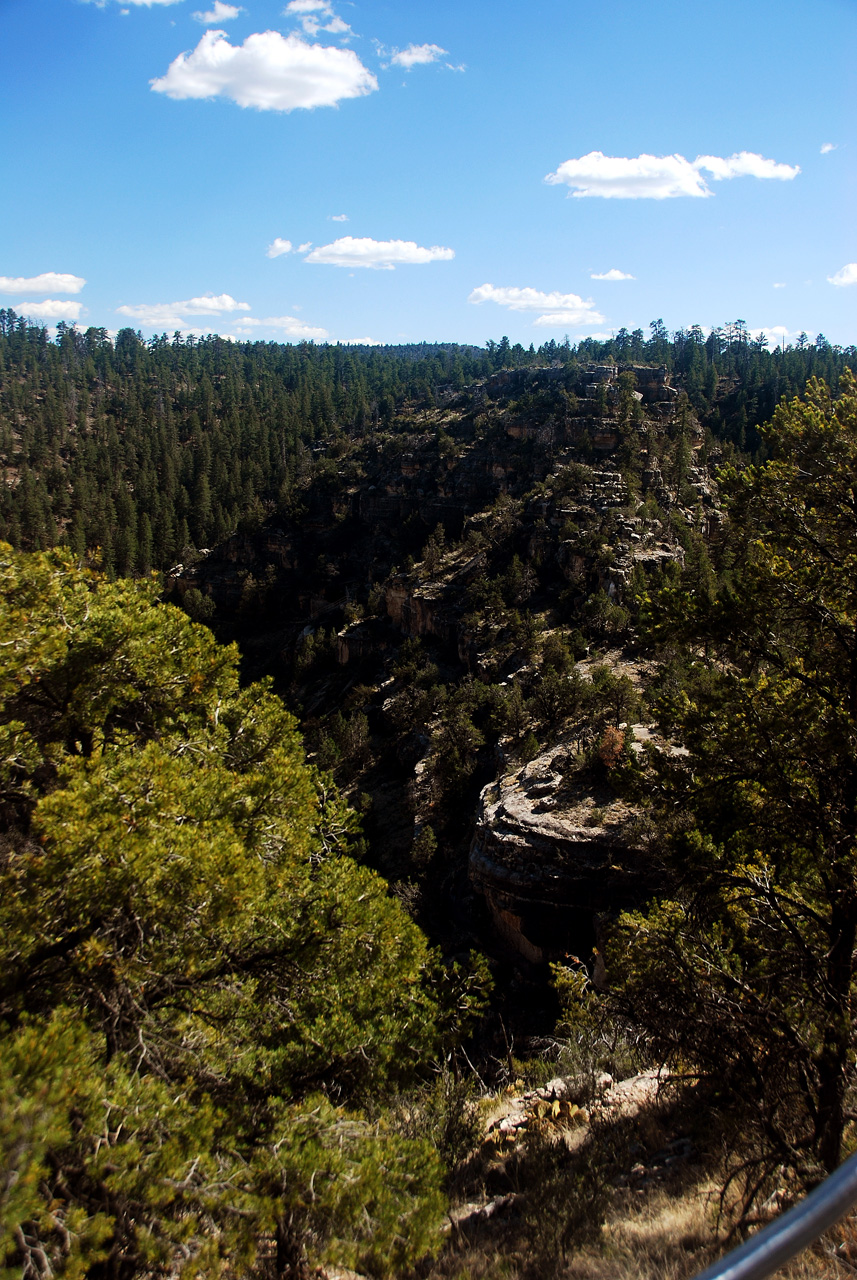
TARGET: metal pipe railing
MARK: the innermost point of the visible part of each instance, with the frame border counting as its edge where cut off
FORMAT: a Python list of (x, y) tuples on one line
[(792, 1232)]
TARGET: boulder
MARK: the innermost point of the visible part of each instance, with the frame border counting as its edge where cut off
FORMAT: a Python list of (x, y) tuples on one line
[(554, 853)]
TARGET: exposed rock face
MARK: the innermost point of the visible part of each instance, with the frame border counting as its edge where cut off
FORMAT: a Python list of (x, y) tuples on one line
[(433, 609), (553, 852), (510, 432), (555, 488)]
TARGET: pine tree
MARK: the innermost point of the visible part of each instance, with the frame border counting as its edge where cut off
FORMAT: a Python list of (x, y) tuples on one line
[(199, 986), (748, 974)]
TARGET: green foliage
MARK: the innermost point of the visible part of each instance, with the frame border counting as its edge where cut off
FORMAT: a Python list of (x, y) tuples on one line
[(748, 974), (423, 849), (590, 1037), (176, 874), (41, 1069), (103, 1163), (455, 743), (147, 450), (197, 606), (446, 1114)]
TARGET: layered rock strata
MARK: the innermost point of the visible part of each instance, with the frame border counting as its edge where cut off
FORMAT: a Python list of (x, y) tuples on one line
[(555, 852)]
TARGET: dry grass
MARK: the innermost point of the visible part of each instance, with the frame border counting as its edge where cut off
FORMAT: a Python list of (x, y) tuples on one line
[(633, 1195), (665, 1240), (662, 1233)]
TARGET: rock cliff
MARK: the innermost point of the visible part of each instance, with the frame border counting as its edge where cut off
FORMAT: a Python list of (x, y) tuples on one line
[(533, 502), (555, 852)]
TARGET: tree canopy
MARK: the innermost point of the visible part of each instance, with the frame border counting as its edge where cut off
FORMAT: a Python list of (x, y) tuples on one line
[(152, 449), (748, 972), (200, 987)]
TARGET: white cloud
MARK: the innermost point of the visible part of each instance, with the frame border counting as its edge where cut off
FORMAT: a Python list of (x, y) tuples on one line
[(417, 55), (278, 247), (613, 274), (647, 177), (171, 315), (827, 147), (315, 16), (623, 178), (567, 319), (777, 334), (212, 304), (220, 13), (269, 71), (302, 248), (359, 342), (290, 325), (339, 217), (746, 164), (779, 284), (157, 315), (382, 255), (846, 275), (557, 309), (47, 282), (51, 309)]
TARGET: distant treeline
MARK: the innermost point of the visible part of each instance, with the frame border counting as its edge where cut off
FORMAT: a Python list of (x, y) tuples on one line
[(146, 448)]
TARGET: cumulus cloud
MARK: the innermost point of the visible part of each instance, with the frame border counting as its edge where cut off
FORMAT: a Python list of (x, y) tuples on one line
[(647, 177), (746, 164), (315, 16), (827, 147), (211, 304), (289, 325), (613, 274), (416, 55), (278, 247), (172, 315), (157, 315), (845, 275), (51, 309), (383, 255), (557, 309), (339, 217), (220, 13), (269, 71), (623, 178), (47, 282), (302, 248)]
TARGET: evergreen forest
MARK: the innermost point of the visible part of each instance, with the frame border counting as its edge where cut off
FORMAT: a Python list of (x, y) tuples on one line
[(428, 803)]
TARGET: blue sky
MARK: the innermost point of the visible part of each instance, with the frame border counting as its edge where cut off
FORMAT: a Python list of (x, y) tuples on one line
[(448, 171)]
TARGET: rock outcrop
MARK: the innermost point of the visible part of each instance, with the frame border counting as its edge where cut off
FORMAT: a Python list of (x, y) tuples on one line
[(554, 853)]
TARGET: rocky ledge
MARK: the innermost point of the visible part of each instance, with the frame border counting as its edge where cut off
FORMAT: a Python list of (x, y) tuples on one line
[(555, 852)]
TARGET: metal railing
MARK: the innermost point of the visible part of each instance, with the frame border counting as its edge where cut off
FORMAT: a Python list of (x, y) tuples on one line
[(792, 1232)]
